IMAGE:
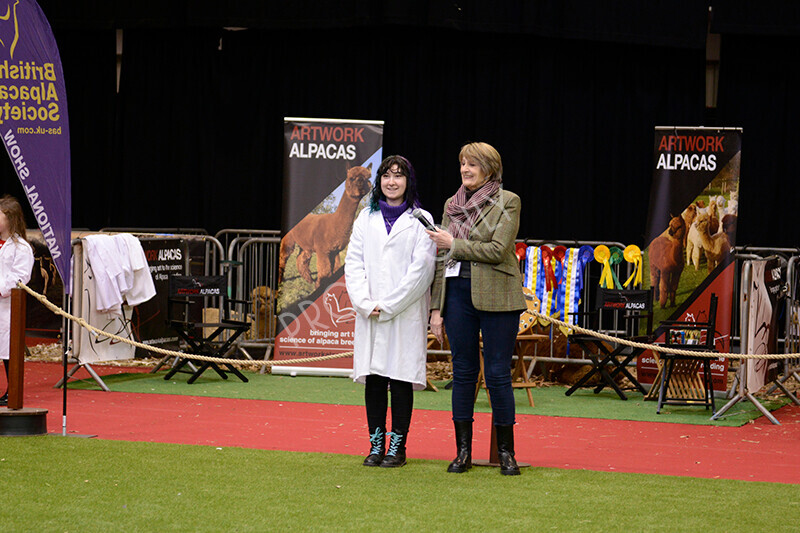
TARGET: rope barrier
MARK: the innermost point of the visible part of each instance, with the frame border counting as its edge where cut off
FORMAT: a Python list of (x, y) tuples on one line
[(633, 344), (57, 310), (659, 348)]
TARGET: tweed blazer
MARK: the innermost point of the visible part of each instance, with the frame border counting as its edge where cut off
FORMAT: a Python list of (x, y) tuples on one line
[(496, 279)]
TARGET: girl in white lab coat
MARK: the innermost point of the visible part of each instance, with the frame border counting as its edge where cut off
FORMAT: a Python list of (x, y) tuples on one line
[(388, 270), (16, 264)]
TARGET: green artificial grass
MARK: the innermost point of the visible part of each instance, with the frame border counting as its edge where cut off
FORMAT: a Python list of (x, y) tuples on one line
[(62, 484), (549, 401)]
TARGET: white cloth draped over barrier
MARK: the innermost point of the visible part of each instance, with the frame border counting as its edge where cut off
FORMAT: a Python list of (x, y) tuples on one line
[(112, 276), (120, 271)]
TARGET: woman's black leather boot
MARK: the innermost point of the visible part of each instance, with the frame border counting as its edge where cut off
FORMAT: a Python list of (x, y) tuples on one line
[(505, 450), (463, 460)]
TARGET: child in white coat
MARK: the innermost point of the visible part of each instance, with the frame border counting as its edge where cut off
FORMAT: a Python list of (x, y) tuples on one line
[(16, 264), (388, 270)]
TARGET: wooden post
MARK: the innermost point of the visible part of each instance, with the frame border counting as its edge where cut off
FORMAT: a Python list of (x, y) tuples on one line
[(494, 458), (16, 349)]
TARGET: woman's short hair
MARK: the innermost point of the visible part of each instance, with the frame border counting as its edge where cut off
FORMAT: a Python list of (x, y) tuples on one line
[(487, 158), (406, 169), (13, 212)]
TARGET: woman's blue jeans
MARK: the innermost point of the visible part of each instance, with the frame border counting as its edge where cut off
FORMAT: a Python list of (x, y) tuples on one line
[(463, 324)]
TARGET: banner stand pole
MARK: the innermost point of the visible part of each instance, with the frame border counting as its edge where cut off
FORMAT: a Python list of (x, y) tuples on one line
[(65, 351), (778, 384), (744, 394), (66, 346)]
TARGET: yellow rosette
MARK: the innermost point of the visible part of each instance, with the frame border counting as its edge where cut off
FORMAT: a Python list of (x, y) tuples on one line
[(602, 254), (633, 254)]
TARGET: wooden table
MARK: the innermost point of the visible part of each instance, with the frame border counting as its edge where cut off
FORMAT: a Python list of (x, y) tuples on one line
[(520, 369)]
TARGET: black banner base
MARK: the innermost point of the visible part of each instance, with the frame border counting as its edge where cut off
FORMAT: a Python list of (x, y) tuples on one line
[(22, 422)]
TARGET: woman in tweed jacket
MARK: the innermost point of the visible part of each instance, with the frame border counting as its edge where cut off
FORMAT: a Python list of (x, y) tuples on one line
[(477, 291)]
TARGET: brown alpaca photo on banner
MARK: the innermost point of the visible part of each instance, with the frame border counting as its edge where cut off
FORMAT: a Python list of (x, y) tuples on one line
[(666, 262), (326, 235)]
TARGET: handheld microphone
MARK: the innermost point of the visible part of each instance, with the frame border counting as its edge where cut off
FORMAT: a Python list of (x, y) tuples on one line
[(417, 213)]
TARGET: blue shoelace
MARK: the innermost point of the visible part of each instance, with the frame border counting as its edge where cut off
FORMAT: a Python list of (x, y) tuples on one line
[(394, 442), (376, 439)]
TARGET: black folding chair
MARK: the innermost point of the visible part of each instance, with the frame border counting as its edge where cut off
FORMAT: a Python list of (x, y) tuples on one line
[(213, 338), (624, 314), (679, 372)]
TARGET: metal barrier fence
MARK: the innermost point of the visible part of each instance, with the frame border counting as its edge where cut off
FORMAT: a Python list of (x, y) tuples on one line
[(233, 238), (213, 254), (206, 260), (248, 257), (791, 367), (164, 231), (232, 241), (746, 253), (741, 391), (253, 259)]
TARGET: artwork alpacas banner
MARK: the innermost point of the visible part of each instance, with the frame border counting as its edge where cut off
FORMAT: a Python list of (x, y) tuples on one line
[(329, 168), (691, 232)]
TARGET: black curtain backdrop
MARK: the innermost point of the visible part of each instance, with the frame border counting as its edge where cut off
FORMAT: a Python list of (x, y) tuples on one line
[(680, 23), (567, 92), (573, 119), (758, 91)]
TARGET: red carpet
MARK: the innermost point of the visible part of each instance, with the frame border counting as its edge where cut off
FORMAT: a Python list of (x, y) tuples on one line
[(755, 452)]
